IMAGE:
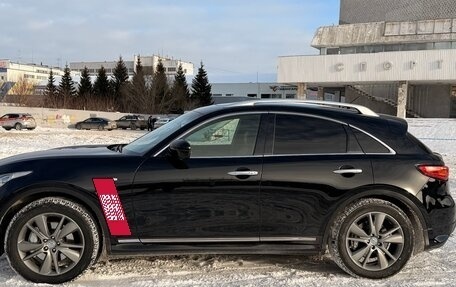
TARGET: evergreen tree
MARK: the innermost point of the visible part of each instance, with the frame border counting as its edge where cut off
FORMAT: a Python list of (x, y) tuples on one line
[(119, 81), (66, 89), (85, 87), (102, 91), (137, 93), (180, 91), (50, 92), (201, 89), (160, 89)]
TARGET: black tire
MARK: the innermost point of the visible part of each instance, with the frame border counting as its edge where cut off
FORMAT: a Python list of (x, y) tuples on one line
[(20, 238), (100, 128), (8, 129), (18, 126), (133, 126), (78, 127), (368, 252)]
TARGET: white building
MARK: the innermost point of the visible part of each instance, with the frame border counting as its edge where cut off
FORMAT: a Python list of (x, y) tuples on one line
[(149, 64), (396, 67), (14, 72), (32, 74), (254, 90), (93, 67)]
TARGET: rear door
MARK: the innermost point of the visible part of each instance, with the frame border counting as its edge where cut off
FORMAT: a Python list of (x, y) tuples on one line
[(310, 163), (12, 120)]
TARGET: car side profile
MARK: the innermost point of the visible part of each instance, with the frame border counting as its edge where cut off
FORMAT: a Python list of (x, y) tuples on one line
[(17, 121), (96, 123), (271, 177), (132, 122)]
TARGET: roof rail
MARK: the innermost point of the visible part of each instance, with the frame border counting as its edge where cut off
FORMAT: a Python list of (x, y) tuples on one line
[(360, 109)]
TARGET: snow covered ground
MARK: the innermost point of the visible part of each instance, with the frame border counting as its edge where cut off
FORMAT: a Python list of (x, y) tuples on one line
[(434, 268)]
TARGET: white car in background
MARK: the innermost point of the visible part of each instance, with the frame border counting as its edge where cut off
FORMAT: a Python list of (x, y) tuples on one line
[(163, 121), (17, 121)]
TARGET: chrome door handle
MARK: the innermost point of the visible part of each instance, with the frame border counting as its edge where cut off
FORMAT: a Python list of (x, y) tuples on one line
[(345, 171), (243, 172)]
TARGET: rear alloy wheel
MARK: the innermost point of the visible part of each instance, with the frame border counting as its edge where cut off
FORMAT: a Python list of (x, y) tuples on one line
[(18, 126), (133, 126), (51, 240), (100, 128), (78, 127), (371, 238)]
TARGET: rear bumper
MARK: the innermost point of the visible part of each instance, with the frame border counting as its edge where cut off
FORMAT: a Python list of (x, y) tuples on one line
[(439, 235), (441, 212)]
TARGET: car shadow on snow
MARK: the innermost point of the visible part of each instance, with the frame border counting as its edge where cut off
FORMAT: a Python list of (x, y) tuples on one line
[(216, 264)]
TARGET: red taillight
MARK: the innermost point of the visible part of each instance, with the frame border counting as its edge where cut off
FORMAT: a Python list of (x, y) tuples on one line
[(435, 171)]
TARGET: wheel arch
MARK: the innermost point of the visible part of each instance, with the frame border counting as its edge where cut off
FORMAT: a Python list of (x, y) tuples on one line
[(89, 202), (402, 199)]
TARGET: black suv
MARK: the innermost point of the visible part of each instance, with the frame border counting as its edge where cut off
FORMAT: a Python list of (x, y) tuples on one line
[(284, 177)]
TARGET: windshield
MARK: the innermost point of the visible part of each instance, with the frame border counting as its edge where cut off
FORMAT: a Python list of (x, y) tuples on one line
[(148, 141)]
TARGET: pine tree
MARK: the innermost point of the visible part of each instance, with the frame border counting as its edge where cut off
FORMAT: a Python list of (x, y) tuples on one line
[(102, 90), (180, 91), (119, 81), (66, 89), (201, 89), (85, 88), (137, 92), (160, 89), (50, 92)]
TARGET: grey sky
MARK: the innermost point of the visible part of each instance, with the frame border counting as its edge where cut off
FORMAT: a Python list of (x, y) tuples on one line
[(235, 39)]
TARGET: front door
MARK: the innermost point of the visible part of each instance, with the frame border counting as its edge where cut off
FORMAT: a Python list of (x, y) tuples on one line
[(211, 197)]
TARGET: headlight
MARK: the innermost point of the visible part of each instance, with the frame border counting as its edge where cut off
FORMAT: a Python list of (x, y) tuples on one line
[(4, 178)]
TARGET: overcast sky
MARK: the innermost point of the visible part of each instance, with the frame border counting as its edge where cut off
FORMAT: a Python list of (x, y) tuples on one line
[(235, 39)]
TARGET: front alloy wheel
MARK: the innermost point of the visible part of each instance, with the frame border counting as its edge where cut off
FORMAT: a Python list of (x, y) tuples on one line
[(50, 244), (51, 240)]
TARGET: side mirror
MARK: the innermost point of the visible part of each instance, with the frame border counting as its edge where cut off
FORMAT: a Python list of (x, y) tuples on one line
[(180, 149)]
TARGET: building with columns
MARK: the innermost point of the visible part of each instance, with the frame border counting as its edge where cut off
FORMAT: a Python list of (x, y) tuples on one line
[(394, 56)]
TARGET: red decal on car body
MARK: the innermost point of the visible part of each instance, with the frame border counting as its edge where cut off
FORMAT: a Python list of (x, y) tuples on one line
[(112, 207)]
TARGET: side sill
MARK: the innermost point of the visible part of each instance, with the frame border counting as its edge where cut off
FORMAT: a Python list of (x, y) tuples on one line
[(138, 249)]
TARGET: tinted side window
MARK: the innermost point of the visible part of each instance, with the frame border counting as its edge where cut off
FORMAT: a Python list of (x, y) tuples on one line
[(368, 144), (306, 135), (231, 136)]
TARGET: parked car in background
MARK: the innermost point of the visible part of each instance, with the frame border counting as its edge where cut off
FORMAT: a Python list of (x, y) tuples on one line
[(132, 121), (96, 123), (272, 177), (163, 121), (17, 121)]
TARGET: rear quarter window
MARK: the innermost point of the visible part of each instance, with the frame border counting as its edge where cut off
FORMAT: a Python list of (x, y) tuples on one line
[(369, 144)]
